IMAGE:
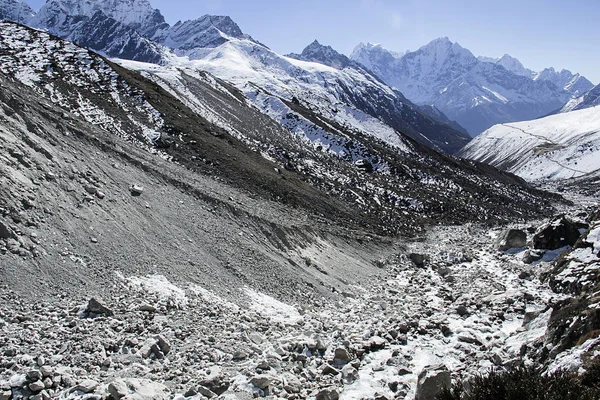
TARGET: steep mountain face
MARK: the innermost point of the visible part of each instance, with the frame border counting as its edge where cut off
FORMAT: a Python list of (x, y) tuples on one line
[(557, 147), (589, 99), (370, 95), (206, 32), (475, 92), (16, 10), (575, 84), (117, 29)]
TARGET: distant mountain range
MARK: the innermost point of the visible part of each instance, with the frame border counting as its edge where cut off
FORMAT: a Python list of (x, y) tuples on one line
[(477, 92)]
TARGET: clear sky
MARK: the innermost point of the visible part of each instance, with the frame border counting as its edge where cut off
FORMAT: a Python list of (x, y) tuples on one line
[(540, 33)]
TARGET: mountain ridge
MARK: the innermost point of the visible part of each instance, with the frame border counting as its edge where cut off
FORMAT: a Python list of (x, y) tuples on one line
[(477, 92)]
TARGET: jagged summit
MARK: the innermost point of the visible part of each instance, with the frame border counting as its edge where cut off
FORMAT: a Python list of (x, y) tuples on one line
[(206, 31), (316, 52), (16, 10), (135, 14)]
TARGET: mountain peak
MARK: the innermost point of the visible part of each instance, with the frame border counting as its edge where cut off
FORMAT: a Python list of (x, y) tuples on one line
[(514, 65), (136, 14), (207, 31), (316, 52), (16, 11)]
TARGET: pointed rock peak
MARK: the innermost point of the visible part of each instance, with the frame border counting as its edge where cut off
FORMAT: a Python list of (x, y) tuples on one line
[(318, 47), (223, 23), (316, 52)]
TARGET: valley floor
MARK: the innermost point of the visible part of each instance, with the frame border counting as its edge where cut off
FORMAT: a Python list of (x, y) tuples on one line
[(455, 301)]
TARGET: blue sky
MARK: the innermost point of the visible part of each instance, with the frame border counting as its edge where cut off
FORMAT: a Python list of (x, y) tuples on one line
[(550, 33)]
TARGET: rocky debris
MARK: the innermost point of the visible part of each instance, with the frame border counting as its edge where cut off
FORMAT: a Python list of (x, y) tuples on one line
[(208, 347), (557, 234), (512, 239), (94, 308), (432, 380)]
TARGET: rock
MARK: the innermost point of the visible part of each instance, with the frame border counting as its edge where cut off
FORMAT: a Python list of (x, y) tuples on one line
[(33, 376), (91, 189), (163, 344), (261, 381), (432, 380), (37, 386), (341, 356), (329, 370), (462, 310), (85, 386), (532, 256), (418, 259), (147, 308), (137, 389), (94, 307), (216, 384), (136, 190), (206, 392), (328, 394), (559, 233), (512, 239), (100, 194), (469, 339), (377, 343), (349, 374), (5, 394), (6, 232)]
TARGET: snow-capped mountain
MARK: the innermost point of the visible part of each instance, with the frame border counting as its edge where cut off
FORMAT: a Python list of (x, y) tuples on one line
[(560, 146), (475, 92), (205, 32), (16, 10), (115, 28), (345, 93), (575, 84), (135, 14), (589, 99), (316, 52)]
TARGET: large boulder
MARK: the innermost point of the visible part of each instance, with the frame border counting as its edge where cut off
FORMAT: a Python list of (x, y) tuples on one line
[(559, 233), (512, 239), (137, 389), (432, 380)]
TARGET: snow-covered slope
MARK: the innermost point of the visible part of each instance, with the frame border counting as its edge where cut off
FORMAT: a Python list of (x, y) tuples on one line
[(556, 147), (476, 92), (349, 95), (16, 10)]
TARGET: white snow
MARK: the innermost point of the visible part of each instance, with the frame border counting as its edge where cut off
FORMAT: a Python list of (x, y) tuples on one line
[(272, 308), (556, 147)]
